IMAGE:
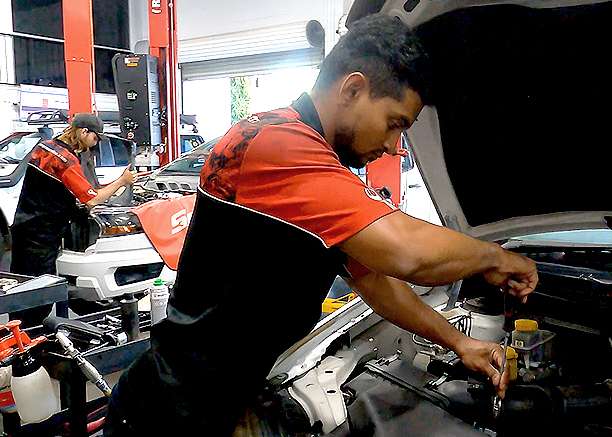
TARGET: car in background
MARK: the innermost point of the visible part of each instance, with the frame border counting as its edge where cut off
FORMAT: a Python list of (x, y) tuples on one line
[(183, 174)]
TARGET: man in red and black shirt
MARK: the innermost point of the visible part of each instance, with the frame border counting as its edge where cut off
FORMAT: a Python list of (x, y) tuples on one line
[(53, 183), (278, 216)]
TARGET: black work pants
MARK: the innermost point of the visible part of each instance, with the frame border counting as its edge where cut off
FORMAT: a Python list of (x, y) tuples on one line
[(33, 253)]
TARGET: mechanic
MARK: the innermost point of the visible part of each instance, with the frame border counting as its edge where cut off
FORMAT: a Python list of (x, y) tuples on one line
[(278, 215), (53, 181)]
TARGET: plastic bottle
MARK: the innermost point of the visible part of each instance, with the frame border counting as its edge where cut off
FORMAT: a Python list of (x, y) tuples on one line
[(158, 294), (35, 398)]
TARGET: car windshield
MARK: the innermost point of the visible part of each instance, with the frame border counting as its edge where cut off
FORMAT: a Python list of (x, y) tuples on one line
[(586, 236), (15, 148), (191, 162)]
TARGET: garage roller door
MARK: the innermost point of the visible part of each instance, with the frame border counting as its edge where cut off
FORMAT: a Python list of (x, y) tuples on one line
[(252, 64), (247, 52)]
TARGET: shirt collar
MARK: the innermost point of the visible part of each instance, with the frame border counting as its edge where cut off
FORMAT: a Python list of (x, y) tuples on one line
[(308, 113)]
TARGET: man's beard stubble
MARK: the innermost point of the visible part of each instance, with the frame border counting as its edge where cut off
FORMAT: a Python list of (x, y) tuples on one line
[(343, 146)]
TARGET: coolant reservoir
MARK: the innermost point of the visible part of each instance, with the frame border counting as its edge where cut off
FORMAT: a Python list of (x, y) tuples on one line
[(525, 333)]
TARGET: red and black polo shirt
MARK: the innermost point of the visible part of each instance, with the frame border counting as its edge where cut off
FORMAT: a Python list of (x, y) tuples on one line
[(260, 255), (53, 180), (261, 252)]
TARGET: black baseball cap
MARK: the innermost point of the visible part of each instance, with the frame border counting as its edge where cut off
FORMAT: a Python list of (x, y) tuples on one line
[(91, 122)]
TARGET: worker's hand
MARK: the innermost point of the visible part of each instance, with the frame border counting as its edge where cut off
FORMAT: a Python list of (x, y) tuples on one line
[(515, 273), (485, 357), (127, 177)]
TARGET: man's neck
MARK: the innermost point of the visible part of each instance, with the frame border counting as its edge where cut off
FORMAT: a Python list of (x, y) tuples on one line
[(326, 115)]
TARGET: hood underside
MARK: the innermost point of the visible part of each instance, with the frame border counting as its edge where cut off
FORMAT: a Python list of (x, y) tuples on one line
[(517, 141)]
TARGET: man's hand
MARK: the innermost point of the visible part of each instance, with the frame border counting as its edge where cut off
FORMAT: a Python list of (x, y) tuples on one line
[(127, 177), (516, 273), (484, 357)]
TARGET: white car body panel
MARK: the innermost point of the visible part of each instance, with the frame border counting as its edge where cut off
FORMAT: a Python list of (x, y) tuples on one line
[(94, 269)]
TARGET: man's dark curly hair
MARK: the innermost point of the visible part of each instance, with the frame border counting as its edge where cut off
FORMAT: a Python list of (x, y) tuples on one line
[(387, 52)]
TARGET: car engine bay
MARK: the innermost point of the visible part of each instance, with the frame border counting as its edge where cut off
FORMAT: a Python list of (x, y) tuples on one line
[(376, 379)]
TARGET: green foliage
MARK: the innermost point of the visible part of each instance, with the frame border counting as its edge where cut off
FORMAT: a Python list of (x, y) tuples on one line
[(240, 98)]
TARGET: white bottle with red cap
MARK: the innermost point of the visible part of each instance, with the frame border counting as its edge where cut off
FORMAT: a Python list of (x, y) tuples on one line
[(35, 398)]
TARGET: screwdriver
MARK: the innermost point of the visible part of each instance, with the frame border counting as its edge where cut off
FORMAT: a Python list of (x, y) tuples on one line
[(510, 305)]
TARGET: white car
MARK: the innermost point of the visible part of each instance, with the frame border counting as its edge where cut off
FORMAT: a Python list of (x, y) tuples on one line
[(108, 255)]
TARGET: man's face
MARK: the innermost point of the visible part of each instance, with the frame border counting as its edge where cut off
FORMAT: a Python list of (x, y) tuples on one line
[(89, 138), (368, 127)]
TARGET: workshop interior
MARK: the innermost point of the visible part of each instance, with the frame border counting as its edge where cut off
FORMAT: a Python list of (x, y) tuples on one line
[(514, 151)]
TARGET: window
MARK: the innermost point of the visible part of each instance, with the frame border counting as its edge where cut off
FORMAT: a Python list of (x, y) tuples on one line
[(121, 151), (14, 149), (111, 23), (39, 62), (38, 17), (112, 152), (105, 83)]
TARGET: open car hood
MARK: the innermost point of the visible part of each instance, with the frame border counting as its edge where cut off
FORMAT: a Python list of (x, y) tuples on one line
[(517, 142)]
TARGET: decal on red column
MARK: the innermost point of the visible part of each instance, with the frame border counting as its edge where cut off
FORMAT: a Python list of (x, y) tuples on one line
[(156, 6)]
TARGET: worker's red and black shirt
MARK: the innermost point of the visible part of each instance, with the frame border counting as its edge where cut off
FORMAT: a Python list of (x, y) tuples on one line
[(261, 253), (52, 183)]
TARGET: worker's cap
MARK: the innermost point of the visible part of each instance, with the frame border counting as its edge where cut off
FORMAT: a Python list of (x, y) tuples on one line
[(91, 122)]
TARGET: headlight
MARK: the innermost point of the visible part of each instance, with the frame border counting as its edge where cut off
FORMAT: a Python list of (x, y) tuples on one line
[(118, 223)]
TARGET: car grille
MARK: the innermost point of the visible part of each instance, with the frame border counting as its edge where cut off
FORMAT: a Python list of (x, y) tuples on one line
[(174, 186), (137, 273)]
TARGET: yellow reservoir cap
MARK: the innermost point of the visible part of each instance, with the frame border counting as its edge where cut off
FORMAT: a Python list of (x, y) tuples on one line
[(511, 353), (525, 325), (511, 363)]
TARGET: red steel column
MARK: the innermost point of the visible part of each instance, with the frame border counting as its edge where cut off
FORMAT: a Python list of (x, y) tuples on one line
[(163, 41), (79, 55)]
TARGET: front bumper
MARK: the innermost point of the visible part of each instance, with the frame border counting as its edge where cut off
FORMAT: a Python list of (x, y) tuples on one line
[(114, 266)]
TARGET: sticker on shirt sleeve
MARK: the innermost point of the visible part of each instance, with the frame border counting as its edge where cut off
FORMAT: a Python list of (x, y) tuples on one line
[(92, 192), (372, 194)]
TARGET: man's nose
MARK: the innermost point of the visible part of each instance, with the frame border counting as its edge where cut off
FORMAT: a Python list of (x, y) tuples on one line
[(392, 144)]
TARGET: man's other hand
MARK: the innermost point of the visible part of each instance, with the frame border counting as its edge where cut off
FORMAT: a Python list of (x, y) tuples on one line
[(485, 357), (516, 273)]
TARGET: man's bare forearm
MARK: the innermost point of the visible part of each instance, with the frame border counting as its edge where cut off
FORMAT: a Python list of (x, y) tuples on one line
[(416, 251), (396, 301), (106, 192)]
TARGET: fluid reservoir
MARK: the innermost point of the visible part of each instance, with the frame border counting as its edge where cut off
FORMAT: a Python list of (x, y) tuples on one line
[(525, 333)]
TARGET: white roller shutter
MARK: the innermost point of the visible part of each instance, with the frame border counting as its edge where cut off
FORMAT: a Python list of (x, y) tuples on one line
[(248, 52), (253, 64)]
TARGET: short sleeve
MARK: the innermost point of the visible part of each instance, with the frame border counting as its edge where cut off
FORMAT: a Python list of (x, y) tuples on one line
[(74, 179), (291, 174)]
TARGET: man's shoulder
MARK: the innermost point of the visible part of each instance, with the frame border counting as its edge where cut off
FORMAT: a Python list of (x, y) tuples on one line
[(55, 149)]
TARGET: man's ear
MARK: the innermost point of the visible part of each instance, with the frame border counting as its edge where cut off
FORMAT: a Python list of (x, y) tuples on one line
[(353, 87)]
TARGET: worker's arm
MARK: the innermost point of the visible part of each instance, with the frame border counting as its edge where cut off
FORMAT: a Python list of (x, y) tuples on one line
[(395, 301), (106, 192), (412, 250)]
